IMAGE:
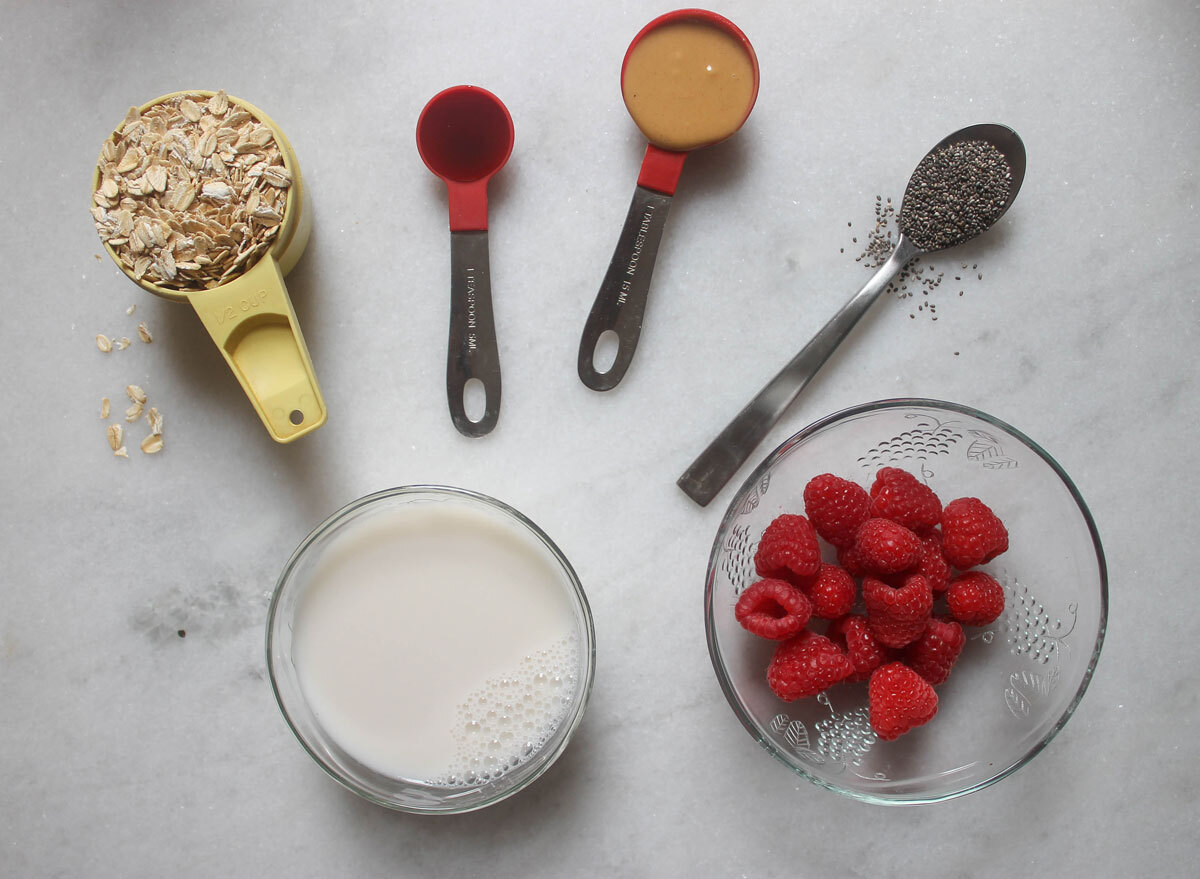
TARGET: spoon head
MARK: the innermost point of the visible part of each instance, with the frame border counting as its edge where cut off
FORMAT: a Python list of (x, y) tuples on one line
[(689, 79), (1007, 143), (464, 134)]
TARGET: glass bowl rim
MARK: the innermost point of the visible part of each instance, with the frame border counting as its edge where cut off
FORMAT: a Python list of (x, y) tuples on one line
[(570, 723), (714, 653)]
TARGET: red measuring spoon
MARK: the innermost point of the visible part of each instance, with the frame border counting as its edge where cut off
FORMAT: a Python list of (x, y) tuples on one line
[(679, 84), (464, 136)]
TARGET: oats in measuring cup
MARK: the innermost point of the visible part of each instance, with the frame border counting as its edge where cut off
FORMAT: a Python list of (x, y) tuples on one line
[(191, 192)]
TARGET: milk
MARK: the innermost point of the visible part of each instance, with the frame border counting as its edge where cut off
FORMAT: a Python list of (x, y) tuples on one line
[(437, 643)]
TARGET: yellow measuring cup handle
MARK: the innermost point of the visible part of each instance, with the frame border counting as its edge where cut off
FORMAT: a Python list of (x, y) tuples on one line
[(252, 321)]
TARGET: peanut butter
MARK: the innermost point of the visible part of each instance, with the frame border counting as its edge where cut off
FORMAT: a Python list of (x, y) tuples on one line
[(688, 84)]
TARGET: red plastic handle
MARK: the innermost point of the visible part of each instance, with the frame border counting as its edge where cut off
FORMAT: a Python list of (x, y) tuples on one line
[(468, 205), (661, 169)]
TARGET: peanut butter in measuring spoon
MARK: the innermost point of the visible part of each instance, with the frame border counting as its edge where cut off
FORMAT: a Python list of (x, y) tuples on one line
[(689, 79), (688, 84)]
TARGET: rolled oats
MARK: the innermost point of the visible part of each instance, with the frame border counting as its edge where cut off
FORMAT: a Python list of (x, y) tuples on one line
[(192, 192)]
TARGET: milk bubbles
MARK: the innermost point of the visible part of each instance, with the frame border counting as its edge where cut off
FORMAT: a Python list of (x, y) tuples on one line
[(514, 714)]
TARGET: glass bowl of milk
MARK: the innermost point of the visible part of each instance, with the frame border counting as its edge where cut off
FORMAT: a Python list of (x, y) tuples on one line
[(431, 648)]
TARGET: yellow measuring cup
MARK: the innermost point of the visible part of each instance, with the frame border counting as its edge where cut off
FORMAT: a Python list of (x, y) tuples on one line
[(250, 317)]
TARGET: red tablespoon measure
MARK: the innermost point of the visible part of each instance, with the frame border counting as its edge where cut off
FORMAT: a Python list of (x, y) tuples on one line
[(464, 136), (621, 302)]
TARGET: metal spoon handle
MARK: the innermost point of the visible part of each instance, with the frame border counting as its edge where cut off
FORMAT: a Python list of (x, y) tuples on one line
[(708, 473), (621, 302), (472, 350)]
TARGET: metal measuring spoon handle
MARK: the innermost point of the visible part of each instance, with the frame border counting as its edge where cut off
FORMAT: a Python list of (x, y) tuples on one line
[(621, 302), (472, 351), (724, 455)]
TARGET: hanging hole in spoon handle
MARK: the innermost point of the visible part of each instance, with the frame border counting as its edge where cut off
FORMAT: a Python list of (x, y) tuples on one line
[(472, 353), (621, 302)]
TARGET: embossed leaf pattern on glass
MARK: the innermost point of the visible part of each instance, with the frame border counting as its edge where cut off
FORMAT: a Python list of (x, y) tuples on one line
[(1026, 687), (755, 495)]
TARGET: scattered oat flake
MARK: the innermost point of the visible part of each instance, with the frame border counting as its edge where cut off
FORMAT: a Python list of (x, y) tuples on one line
[(133, 413), (121, 453), (131, 309), (115, 434), (105, 407), (103, 342), (152, 444), (123, 343), (135, 393), (156, 421), (144, 333)]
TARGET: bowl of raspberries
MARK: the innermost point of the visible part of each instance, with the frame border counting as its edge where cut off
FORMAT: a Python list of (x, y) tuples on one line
[(906, 601)]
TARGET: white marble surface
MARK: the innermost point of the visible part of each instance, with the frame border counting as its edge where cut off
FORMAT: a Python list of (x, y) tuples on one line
[(128, 751)]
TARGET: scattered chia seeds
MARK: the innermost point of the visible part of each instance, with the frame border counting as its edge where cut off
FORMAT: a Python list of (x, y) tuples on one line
[(916, 277), (954, 194)]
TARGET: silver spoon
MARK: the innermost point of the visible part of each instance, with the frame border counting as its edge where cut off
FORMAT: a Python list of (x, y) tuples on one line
[(716, 465)]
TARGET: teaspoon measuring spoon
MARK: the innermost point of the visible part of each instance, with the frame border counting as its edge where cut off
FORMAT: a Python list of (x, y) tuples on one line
[(464, 136), (716, 464)]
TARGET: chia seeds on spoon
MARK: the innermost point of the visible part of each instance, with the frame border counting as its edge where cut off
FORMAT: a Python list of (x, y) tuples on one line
[(954, 194)]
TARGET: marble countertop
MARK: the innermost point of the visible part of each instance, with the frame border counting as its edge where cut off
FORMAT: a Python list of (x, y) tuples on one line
[(127, 750)]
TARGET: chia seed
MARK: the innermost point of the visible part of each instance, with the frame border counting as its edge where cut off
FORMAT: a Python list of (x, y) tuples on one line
[(954, 194)]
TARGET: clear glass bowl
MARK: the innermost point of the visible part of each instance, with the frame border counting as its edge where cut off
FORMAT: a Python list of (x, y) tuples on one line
[(399, 793), (1017, 681)]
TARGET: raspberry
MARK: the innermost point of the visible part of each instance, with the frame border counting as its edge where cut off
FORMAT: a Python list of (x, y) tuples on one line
[(900, 699), (806, 664), (935, 652), (832, 592), (864, 651), (772, 609), (971, 533), (901, 497), (836, 507), (885, 547), (788, 549), (975, 598), (933, 565), (851, 561), (897, 617)]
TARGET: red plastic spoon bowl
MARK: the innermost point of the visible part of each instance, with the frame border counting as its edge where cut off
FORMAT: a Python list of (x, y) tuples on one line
[(621, 302), (464, 136)]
